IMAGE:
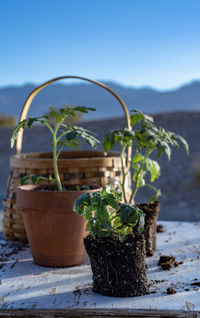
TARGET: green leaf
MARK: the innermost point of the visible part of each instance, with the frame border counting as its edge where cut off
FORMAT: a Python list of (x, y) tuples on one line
[(155, 171), (128, 214), (122, 237), (154, 168), (20, 126), (71, 135), (110, 200), (30, 121), (87, 213), (122, 136), (86, 136), (138, 116), (163, 147), (83, 109), (83, 201), (107, 145), (24, 180), (141, 223), (185, 144), (35, 179), (137, 158), (155, 196), (116, 221), (88, 226), (138, 177)]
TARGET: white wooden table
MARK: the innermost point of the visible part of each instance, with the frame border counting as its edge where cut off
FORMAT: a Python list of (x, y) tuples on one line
[(28, 290)]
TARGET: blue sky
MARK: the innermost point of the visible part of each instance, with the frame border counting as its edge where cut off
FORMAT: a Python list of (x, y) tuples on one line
[(134, 42)]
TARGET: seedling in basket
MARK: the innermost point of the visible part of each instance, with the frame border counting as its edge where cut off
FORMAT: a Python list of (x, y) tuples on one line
[(145, 140), (63, 135)]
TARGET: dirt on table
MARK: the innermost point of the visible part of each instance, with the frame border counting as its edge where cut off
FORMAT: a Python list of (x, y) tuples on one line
[(160, 228), (167, 262), (171, 291)]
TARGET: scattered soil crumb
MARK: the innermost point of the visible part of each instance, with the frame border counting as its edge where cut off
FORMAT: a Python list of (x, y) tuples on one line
[(171, 291), (165, 262), (159, 281), (196, 284), (178, 263), (77, 291), (160, 228)]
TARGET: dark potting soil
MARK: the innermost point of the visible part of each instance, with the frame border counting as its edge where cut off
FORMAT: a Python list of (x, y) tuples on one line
[(151, 211), (54, 188), (118, 268), (160, 228), (166, 262), (171, 291)]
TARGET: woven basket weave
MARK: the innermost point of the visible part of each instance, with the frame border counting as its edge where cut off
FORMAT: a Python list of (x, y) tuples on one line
[(75, 167)]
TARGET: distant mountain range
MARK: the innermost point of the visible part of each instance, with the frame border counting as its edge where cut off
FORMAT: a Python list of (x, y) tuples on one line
[(185, 98)]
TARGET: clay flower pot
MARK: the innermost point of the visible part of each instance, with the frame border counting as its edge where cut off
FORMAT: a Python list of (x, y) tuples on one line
[(151, 211), (55, 233), (118, 268)]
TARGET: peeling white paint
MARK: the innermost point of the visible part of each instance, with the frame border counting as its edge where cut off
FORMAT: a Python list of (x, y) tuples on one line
[(25, 285)]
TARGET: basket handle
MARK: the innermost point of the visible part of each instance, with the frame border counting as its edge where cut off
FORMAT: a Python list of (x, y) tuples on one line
[(30, 98)]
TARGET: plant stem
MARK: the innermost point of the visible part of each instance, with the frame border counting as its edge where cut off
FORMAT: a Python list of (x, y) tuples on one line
[(55, 157), (55, 154), (148, 152), (55, 165), (123, 173)]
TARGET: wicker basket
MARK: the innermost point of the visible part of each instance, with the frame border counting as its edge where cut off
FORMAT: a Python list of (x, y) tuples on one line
[(75, 167)]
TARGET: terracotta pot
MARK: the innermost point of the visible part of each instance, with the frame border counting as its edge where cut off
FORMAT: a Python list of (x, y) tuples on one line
[(151, 211), (118, 268), (55, 233)]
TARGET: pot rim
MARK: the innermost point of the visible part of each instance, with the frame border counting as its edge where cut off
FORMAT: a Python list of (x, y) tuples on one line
[(37, 187), (29, 198)]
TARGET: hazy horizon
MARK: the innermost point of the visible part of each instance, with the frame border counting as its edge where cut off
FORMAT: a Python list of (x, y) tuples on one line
[(77, 82)]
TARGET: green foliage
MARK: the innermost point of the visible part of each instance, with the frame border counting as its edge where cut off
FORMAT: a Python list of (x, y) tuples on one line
[(82, 187), (63, 135), (145, 139), (34, 179), (70, 120), (106, 217)]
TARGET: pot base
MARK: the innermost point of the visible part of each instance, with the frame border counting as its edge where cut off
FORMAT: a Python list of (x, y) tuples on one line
[(58, 262)]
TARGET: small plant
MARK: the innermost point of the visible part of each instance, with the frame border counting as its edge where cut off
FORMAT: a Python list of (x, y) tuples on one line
[(107, 217), (63, 135), (146, 140), (35, 178), (70, 120)]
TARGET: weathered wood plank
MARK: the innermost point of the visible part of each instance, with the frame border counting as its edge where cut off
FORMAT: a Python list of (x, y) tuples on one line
[(96, 313), (28, 290)]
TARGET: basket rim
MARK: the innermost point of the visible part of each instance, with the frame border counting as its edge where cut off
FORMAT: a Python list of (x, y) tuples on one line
[(44, 160), (48, 155)]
